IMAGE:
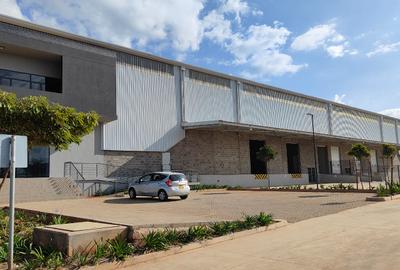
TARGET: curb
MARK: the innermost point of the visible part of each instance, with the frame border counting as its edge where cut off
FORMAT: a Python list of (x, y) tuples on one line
[(383, 199), (305, 190), (130, 261)]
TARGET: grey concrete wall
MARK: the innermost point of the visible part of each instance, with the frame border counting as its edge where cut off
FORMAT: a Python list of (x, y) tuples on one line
[(87, 152), (88, 72), (30, 65)]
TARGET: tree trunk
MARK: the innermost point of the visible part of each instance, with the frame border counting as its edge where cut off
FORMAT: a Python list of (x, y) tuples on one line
[(384, 172), (370, 173), (391, 171)]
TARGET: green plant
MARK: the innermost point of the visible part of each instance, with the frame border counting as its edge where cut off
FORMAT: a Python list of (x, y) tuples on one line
[(3, 253), (389, 151), (198, 233), (219, 229), (174, 237), (119, 249), (57, 220), (265, 154), (249, 222), (155, 240), (54, 260), (264, 219), (44, 123), (100, 252), (80, 259), (203, 187), (382, 191), (39, 256)]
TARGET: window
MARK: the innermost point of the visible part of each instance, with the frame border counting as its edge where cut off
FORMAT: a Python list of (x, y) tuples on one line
[(29, 81), (257, 166), (145, 178), (293, 158), (158, 177), (177, 177), (38, 164)]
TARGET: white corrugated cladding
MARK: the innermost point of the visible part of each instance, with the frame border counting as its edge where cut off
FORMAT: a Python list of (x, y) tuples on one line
[(148, 106), (270, 108), (208, 98), (355, 124), (389, 130)]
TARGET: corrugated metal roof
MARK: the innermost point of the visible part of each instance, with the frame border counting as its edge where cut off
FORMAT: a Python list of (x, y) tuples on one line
[(93, 42)]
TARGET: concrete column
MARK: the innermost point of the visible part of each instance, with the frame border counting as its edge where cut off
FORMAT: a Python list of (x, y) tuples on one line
[(396, 126), (182, 77), (381, 127), (239, 89), (330, 131)]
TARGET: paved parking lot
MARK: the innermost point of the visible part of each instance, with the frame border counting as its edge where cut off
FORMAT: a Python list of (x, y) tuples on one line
[(209, 205)]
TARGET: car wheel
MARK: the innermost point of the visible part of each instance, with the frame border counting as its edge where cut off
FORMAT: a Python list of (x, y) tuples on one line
[(184, 197), (132, 193), (162, 195)]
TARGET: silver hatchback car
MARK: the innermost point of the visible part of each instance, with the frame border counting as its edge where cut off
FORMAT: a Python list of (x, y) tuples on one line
[(161, 185)]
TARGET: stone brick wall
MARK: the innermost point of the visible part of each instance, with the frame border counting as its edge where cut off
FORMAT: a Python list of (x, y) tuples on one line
[(132, 163), (206, 152)]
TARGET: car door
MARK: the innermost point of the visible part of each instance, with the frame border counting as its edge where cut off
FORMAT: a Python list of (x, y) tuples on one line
[(143, 185), (155, 184)]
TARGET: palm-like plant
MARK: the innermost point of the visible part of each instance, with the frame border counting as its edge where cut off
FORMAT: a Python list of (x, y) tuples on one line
[(266, 154), (389, 151), (359, 151)]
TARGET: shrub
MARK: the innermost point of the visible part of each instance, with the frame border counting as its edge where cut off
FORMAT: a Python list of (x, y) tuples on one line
[(57, 220), (119, 249), (156, 240), (198, 233), (264, 219)]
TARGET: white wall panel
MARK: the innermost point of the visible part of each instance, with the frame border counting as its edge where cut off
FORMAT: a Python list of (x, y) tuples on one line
[(355, 124), (148, 107), (389, 130), (206, 100), (265, 107)]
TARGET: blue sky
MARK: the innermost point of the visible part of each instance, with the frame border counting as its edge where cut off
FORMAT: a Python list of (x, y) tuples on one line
[(348, 49)]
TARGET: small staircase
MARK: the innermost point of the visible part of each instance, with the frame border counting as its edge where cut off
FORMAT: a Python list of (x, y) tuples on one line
[(65, 187)]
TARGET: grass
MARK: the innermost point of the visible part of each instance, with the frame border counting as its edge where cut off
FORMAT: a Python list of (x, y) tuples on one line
[(391, 189), (28, 256), (204, 187)]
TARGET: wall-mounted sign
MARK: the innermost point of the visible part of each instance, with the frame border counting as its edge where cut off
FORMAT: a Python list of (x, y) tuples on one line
[(21, 151)]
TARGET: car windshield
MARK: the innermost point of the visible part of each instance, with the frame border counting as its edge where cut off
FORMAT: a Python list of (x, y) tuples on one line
[(177, 177)]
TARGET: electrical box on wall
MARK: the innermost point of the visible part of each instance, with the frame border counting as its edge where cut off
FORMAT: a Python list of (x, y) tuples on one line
[(21, 151)]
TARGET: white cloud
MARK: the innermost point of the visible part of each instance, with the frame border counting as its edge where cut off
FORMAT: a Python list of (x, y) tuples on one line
[(339, 98), (216, 27), (336, 51), (385, 48), (392, 112), (155, 26), (237, 7), (125, 22), (11, 8), (323, 36), (315, 37), (260, 48)]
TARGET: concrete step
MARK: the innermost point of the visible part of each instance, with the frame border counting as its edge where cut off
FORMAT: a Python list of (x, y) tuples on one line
[(40, 189)]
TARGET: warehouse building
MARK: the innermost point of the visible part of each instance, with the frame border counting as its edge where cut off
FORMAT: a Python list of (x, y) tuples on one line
[(159, 114)]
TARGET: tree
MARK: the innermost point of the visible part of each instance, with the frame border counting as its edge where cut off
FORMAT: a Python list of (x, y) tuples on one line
[(389, 151), (359, 151), (266, 154), (44, 123)]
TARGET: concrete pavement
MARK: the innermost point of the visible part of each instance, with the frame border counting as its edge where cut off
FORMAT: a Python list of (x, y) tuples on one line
[(204, 206), (366, 237)]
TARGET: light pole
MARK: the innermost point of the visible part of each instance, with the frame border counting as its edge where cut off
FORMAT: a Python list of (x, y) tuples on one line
[(315, 150)]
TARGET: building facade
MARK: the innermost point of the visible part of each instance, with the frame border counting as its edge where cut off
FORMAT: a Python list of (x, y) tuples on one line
[(159, 114)]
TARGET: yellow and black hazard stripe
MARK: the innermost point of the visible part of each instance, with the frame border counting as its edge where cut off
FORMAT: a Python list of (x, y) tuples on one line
[(297, 175), (261, 176)]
